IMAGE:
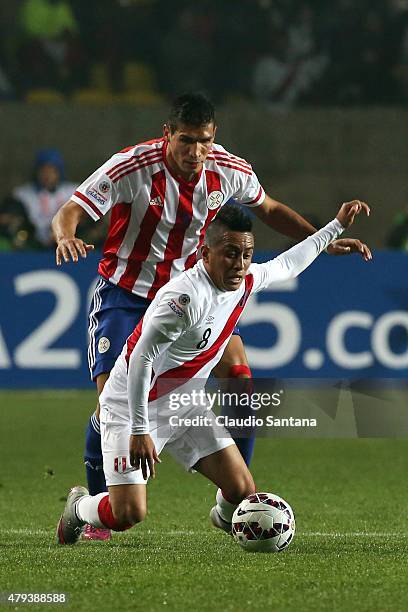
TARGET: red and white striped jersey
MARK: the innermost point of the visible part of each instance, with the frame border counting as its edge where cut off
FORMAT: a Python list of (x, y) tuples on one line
[(186, 328), (158, 220)]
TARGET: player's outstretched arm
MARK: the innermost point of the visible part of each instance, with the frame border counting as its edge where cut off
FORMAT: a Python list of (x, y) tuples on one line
[(292, 262), (349, 210), (345, 246), (289, 223), (64, 226)]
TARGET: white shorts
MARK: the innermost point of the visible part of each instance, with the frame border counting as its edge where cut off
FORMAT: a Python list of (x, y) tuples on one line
[(187, 445)]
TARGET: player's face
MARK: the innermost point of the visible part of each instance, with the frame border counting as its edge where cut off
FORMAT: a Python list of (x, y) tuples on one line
[(188, 147), (227, 263)]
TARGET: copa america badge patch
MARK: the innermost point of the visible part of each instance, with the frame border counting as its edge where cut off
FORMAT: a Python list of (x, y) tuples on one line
[(103, 344), (184, 299), (104, 186), (214, 199)]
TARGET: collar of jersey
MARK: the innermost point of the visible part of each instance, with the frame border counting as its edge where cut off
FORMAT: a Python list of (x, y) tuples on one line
[(176, 177)]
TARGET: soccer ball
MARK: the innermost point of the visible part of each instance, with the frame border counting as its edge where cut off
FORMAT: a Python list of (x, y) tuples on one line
[(263, 522)]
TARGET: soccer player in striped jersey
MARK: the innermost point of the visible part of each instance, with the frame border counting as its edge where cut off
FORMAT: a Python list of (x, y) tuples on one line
[(161, 195), (177, 343)]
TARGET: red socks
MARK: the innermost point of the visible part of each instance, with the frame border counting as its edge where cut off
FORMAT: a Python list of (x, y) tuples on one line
[(106, 516)]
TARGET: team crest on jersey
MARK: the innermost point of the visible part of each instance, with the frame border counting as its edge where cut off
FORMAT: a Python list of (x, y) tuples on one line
[(214, 199), (103, 344), (120, 465), (184, 299), (104, 186)]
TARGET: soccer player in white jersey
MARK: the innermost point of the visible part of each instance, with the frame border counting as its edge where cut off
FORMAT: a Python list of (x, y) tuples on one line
[(182, 336), (162, 195)]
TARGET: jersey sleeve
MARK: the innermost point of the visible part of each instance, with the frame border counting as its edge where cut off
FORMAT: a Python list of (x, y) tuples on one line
[(248, 190), (172, 316), (175, 312), (291, 263), (151, 345), (99, 193)]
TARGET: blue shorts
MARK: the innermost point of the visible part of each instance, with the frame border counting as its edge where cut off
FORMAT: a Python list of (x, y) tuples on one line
[(113, 315)]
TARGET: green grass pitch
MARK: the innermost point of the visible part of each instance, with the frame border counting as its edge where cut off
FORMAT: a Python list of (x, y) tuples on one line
[(349, 497)]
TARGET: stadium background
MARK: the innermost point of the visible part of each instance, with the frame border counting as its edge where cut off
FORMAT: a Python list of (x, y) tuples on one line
[(314, 94), (316, 100)]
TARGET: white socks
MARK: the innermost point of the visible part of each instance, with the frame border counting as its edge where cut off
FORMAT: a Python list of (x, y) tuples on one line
[(224, 508), (87, 509)]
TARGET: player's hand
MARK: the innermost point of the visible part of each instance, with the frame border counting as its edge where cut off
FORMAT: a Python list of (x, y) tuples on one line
[(143, 454), (70, 248), (346, 246), (349, 210)]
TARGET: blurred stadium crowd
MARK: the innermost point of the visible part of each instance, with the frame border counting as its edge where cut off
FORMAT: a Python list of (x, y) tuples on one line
[(26, 213), (281, 52)]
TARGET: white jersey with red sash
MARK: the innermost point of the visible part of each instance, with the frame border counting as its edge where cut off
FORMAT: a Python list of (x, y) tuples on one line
[(187, 326)]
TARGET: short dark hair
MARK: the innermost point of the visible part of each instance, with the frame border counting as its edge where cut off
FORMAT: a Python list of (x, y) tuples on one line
[(191, 109), (231, 217)]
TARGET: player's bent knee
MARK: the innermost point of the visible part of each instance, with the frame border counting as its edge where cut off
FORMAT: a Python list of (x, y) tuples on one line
[(137, 515), (129, 514)]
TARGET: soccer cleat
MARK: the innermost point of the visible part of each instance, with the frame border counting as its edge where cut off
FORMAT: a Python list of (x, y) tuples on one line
[(96, 533), (219, 522), (70, 527)]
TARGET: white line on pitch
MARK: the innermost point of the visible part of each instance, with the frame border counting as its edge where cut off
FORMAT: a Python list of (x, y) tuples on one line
[(175, 533), (351, 534), (24, 531)]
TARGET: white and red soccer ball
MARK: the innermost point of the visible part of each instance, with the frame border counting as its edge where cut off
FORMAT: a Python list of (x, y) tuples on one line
[(263, 522)]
